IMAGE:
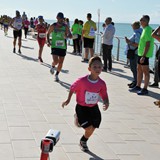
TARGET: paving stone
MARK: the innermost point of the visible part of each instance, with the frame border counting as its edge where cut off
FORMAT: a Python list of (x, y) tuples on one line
[(25, 149), (30, 105)]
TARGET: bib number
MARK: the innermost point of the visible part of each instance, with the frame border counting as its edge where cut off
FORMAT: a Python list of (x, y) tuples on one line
[(42, 35), (91, 97), (59, 43)]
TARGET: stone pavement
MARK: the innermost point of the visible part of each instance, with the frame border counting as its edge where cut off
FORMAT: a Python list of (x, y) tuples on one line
[(30, 105)]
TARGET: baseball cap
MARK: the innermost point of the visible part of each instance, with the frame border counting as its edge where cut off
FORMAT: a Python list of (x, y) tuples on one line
[(40, 17), (60, 15)]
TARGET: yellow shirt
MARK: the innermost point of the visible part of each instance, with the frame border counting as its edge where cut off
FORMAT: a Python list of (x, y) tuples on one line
[(89, 29)]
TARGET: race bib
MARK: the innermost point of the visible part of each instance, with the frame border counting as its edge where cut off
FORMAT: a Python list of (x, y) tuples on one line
[(42, 35), (91, 97), (59, 43), (92, 32)]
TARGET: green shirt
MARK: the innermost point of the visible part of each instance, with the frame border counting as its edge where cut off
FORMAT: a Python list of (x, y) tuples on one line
[(58, 37), (146, 37), (80, 29), (75, 28)]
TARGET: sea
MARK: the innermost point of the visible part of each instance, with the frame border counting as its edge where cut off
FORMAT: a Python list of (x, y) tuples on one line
[(122, 30)]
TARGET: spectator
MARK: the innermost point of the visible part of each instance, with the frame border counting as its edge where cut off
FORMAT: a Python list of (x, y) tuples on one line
[(145, 51), (75, 31), (132, 45), (88, 35), (107, 44)]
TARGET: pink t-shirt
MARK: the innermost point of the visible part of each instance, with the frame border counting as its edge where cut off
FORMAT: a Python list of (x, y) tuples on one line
[(26, 23), (88, 92)]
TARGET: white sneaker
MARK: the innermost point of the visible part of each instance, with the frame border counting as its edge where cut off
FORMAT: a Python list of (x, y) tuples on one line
[(52, 70), (56, 78)]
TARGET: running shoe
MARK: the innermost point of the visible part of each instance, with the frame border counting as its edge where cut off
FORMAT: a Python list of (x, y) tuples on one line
[(85, 60), (56, 78), (14, 50), (143, 92), (40, 59), (154, 85), (52, 70), (19, 51), (132, 85), (135, 89), (83, 146)]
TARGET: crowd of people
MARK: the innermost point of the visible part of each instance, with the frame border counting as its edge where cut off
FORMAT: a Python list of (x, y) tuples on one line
[(88, 88)]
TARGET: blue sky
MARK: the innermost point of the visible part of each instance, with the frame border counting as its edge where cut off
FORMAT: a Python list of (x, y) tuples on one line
[(120, 10)]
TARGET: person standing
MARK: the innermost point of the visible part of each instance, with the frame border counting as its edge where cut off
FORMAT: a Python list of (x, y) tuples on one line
[(107, 44), (88, 89), (132, 44), (80, 35), (60, 32), (156, 35), (17, 24), (75, 31), (41, 37), (145, 51), (88, 36)]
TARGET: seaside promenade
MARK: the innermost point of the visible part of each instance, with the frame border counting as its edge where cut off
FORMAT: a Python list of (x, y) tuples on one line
[(30, 105)]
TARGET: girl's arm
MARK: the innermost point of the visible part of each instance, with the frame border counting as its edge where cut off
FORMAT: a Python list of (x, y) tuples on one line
[(105, 104), (65, 103)]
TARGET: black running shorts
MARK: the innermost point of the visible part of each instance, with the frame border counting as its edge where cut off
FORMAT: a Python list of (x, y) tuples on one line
[(146, 61), (17, 33), (88, 43), (88, 116), (58, 52)]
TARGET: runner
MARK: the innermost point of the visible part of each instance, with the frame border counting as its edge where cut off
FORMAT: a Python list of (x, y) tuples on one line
[(60, 32), (5, 24), (17, 25), (26, 26), (88, 89), (41, 37)]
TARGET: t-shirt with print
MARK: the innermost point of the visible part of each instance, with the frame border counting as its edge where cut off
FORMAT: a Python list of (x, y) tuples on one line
[(89, 28), (88, 92), (145, 37)]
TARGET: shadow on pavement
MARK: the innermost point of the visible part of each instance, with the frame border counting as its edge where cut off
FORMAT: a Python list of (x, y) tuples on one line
[(32, 39), (94, 156), (46, 65), (154, 95), (27, 58), (27, 47), (121, 75), (65, 85)]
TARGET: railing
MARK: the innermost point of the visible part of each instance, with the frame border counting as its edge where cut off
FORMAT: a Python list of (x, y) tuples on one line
[(119, 49), (119, 46)]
